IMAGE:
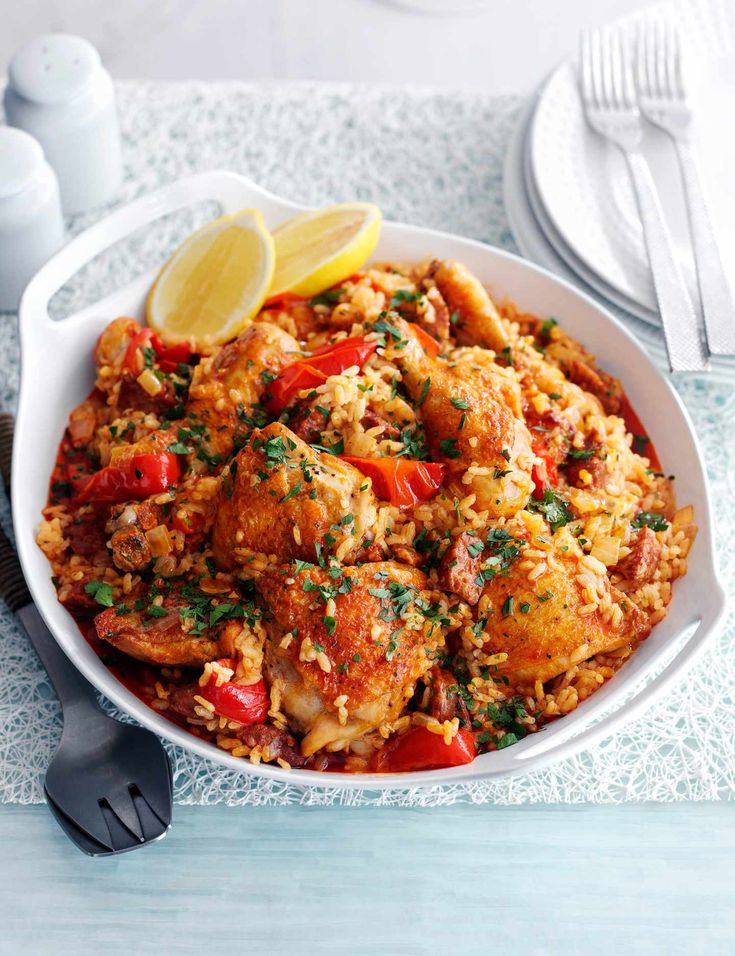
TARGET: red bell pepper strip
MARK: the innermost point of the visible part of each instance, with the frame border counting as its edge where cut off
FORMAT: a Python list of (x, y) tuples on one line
[(283, 300), (316, 368), (545, 473), (138, 341), (333, 359), (138, 476), (167, 356), (420, 749), (401, 481), (292, 380), (170, 356), (246, 703)]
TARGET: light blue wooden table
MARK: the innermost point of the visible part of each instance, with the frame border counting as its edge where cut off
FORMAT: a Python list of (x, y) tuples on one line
[(652, 879)]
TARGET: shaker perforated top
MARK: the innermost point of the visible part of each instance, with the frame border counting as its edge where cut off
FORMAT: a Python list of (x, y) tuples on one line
[(21, 157), (54, 68)]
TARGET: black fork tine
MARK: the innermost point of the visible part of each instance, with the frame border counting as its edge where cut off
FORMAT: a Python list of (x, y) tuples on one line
[(81, 839), (153, 827), (122, 805), (148, 766), (82, 808), (86, 816)]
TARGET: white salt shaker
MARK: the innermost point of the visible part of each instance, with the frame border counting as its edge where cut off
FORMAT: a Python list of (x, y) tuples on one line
[(59, 92), (31, 222)]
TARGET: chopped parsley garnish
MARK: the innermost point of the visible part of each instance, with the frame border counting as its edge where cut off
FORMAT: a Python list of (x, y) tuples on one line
[(583, 454), (292, 493), (336, 449), (403, 295), (639, 444), (426, 385), (460, 403), (179, 448), (414, 445), (546, 327), (101, 591), (383, 326), (506, 717), (328, 297), (448, 448), (652, 519), (504, 550), (155, 610), (508, 605), (553, 507)]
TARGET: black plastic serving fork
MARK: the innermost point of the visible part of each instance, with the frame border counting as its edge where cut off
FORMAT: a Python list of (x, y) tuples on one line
[(108, 784)]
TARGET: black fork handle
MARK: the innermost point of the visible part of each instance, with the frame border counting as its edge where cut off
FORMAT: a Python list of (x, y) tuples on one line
[(73, 690)]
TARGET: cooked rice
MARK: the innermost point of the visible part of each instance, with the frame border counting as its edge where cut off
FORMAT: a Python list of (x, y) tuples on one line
[(614, 484)]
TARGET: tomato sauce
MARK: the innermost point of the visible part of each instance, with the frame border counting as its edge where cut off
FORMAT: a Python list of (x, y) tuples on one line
[(642, 444)]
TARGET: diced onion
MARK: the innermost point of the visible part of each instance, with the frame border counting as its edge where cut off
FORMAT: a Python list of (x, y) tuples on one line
[(683, 519), (148, 382), (158, 540), (607, 550)]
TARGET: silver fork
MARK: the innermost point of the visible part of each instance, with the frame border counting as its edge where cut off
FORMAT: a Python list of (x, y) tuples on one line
[(662, 98), (609, 98)]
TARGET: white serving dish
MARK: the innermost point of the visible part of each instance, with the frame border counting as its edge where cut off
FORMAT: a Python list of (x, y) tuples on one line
[(57, 373)]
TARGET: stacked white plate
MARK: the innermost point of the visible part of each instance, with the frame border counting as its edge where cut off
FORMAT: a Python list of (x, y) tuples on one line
[(569, 199)]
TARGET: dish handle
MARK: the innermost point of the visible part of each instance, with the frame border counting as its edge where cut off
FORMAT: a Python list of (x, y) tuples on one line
[(230, 190)]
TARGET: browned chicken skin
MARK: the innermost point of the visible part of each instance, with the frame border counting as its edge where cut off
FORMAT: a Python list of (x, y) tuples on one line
[(157, 640), (226, 386), (542, 625), (371, 661), (491, 436), (478, 322), (282, 497)]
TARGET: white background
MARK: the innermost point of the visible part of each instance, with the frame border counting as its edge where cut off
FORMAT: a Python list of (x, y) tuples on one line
[(505, 47)]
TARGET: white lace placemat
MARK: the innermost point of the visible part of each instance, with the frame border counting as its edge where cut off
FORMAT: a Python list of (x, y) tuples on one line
[(426, 158)]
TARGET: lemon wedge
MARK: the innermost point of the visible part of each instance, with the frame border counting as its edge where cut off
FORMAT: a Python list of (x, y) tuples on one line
[(215, 282), (318, 249)]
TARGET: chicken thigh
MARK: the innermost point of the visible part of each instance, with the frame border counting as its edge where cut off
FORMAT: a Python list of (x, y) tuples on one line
[(281, 496), (227, 385), (548, 624), (471, 425), (477, 319), (345, 653)]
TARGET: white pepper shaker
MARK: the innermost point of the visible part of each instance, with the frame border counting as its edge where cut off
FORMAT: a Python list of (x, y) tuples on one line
[(59, 92), (31, 222)]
